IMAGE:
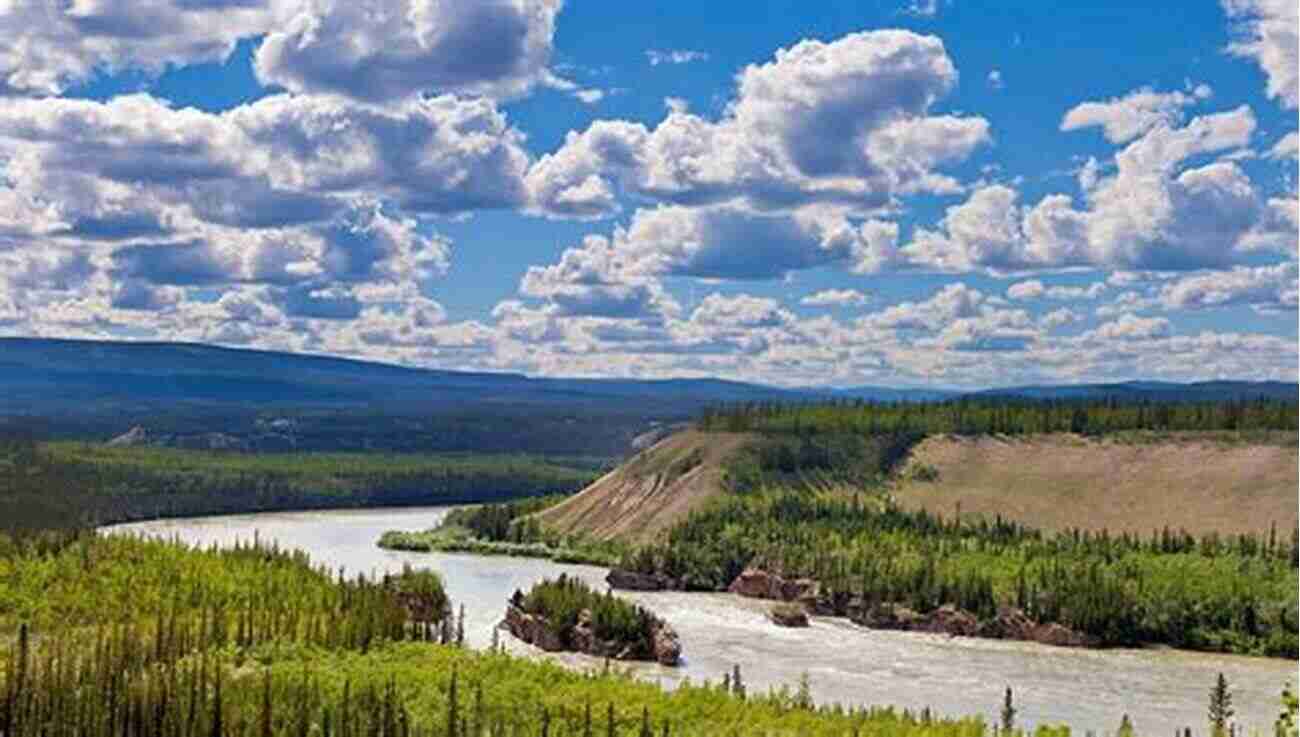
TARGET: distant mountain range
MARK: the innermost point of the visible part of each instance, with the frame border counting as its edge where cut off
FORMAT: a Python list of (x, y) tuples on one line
[(72, 376)]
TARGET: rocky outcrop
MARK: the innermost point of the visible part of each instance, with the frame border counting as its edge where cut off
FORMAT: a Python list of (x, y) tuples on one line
[(1061, 636), (886, 616), (949, 620), (789, 615), (532, 629), (759, 584), (627, 580), (665, 647), (1010, 623)]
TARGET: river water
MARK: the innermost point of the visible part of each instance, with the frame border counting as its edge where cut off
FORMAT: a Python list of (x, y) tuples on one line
[(1159, 689)]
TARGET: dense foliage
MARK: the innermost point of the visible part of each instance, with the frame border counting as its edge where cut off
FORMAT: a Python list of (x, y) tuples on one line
[(1215, 593), (1003, 415), (153, 638), (562, 601), (243, 595), (46, 485), (504, 529)]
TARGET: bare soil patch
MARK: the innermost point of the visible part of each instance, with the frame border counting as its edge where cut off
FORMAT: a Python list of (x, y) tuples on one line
[(652, 491), (1063, 481)]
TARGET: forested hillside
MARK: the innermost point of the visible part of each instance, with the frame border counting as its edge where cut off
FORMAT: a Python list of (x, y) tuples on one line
[(69, 485)]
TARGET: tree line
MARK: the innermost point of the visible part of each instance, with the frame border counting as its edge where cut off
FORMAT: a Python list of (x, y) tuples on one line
[(1003, 416), (1219, 593)]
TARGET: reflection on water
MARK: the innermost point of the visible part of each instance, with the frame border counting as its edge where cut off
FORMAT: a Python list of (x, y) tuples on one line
[(1088, 689)]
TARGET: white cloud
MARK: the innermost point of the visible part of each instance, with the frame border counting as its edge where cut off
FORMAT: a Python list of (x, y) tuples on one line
[(1130, 327), (842, 122), (1034, 289), (1059, 317), (1287, 147), (1266, 288), (1128, 117), (995, 79), (382, 51), (1266, 31), (674, 56), (1150, 214), (836, 298), (50, 46), (740, 311)]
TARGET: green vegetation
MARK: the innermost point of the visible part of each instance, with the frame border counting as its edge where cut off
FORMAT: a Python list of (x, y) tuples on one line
[(68, 485), (817, 458), (1004, 416), (561, 602), (1214, 593), (505, 529), (116, 635)]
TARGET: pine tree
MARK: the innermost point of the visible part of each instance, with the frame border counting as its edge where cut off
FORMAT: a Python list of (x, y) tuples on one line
[(453, 719), (1008, 712), (1287, 724), (737, 685), (1220, 707)]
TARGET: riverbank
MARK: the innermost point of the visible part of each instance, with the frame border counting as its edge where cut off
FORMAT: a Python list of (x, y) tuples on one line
[(1160, 689)]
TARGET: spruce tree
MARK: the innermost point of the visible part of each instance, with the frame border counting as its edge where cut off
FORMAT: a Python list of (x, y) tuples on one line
[(1220, 707), (1008, 712)]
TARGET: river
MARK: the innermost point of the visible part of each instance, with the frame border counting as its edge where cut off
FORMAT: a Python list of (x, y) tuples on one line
[(1160, 689)]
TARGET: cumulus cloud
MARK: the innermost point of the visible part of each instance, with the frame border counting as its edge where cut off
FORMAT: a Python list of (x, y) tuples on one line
[(1130, 327), (1266, 31), (1035, 289), (740, 311), (841, 122), (50, 46), (1265, 288), (134, 166), (1128, 117), (1153, 213), (836, 298), (390, 50)]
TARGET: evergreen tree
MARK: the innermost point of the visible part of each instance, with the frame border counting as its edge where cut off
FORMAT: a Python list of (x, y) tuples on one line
[(1220, 707), (453, 717), (1287, 724), (1008, 712)]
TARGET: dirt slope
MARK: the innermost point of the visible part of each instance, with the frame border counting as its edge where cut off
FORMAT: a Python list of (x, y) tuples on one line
[(1063, 481), (653, 490)]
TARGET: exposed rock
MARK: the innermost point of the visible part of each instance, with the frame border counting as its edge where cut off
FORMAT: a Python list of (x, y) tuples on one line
[(799, 589), (888, 616), (532, 629), (757, 584), (949, 620), (789, 615), (667, 647), (131, 438), (1053, 633), (627, 580), (1009, 624)]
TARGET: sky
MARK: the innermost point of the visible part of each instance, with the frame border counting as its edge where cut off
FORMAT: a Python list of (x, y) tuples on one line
[(901, 192)]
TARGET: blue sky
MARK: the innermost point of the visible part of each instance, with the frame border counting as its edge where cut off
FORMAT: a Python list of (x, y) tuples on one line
[(934, 193)]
